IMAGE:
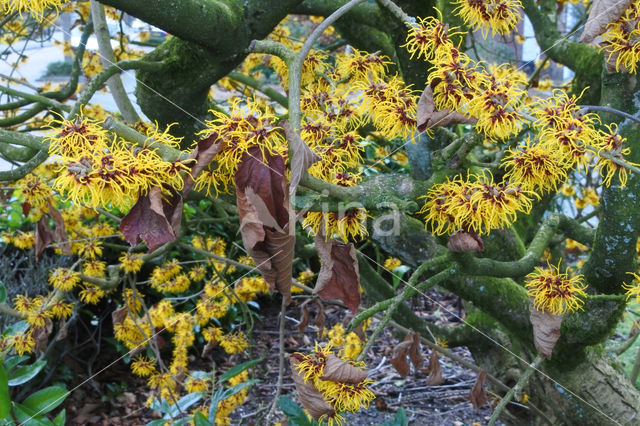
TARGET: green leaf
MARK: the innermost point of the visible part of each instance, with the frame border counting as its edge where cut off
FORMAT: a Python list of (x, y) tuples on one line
[(26, 373), (46, 399), (237, 369), (293, 411), (184, 403), (3, 293), (61, 418), (400, 419), (16, 328), (28, 417), (9, 363), (5, 402), (200, 420), (159, 422)]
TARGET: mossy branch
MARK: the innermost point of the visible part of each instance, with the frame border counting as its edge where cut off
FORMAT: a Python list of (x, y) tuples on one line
[(272, 93), (552, 224), (26, 168)]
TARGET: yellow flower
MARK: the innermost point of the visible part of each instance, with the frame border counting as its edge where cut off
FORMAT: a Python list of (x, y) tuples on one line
[(580, 203), (234, 343), (63, 279), (567, 190), (37, 8), (555, 292), (23, 343), (197, 384), (91, 294), (60, 309), (633, 289), (391, 263), (533, 167), (499, 16), (143, 366), (130, 262)]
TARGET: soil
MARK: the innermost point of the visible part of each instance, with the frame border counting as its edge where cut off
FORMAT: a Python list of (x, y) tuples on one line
[(116, 397)]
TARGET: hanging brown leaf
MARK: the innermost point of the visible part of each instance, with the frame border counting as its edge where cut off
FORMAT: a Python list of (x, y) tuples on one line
[(118, 315), (44, 236), (301, 159), (477, 396), (154, 218), (211, 344), (463, 241), (26, 208), (339, 277), (310, 397), (399, 358), (265, 220), (60, 234), (603, 12), (320, 318), (41, 335), (414, 350), (428, 116), (305, 317), (63, 330), (546, 330), (204, 152), (340, 371), (435, 372)]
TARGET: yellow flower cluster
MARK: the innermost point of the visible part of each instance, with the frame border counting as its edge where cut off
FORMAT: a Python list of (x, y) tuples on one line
[(476, 204), (499, 16), (36, 8), (350, 343), (620, 41), (342, 396), (555, 292), (96, 170)]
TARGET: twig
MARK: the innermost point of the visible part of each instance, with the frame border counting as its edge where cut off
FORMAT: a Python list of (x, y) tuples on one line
[(586, 108), (515, 390), (408, 291), (624, 346), (114, 83), (274, 404), (397, 12)]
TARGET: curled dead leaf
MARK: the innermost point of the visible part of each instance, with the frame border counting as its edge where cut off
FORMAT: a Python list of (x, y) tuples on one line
[(399, 358), (60, 234), (339, 277), (414, 350), (266, 224), (154, 218), (477, 395), (305, 317), (462, 241), (546, 330), (435, 372), (310, 397), (340, 371), (428, 117), (118, 315), (44, 236), (603, 12), (41, 335), (302, 157), (205, 150)]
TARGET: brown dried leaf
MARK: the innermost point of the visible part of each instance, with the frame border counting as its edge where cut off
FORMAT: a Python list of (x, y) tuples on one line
[(208, 347), (265, 219), (118, 316), (603, 12), (60, 234), (26, 208), (477, 395), (305, 317), (435, 372), (546, 330), (302, 157), (414, 350), (340, 371), (41, 335), (204, 152), (399, 358), (44, 236), (463, 241), (339, 277), (310, 397), (155, 218), (320, 318), (428, 116), (63, 330)]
